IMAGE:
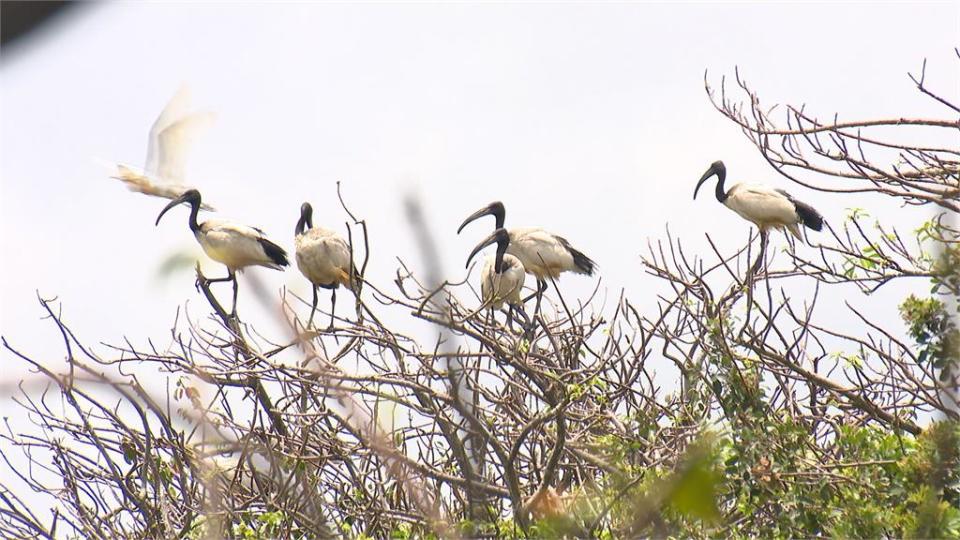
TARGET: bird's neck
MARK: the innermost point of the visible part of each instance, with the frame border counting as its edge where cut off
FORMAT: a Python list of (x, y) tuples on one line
[(500, 215), (721, 194), (498, 262), (194, 210), (303, 225)]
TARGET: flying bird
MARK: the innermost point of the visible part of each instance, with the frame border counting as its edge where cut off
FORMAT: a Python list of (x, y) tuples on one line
[(764, 206), (231, 244), (543, 254), (502, 277), (323, 257), (168, 145)]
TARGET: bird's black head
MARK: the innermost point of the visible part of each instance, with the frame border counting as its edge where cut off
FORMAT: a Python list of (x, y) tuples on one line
[(495, 209), (191, 197), (306, 219), (716, 168), (500, 237)]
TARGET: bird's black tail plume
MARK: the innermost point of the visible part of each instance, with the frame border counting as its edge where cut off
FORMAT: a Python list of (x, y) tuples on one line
[(810, 217), (275, 252), (584, 264)]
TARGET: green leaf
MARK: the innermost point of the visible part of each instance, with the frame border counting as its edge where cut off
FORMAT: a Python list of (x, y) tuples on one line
[(695, 494)]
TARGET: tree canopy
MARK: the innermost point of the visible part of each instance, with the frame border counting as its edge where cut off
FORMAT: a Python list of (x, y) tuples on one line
[(778, 420)]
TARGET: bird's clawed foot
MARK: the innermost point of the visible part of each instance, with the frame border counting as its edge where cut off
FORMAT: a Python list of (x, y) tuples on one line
[(528, 325), (202, 281), (313, 311), (309, 325), (524, 324)]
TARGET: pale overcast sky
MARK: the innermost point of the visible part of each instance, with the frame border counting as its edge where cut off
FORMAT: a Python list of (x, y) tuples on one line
[(588, 120)]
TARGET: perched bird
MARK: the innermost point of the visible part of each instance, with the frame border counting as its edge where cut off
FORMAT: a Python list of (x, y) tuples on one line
[(231, 244), (501, 279), (167, 149), (765, 207), (542, 254), (323, 257)]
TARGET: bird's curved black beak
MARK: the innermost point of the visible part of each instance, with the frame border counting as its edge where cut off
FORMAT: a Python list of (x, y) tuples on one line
[(181, 199), (498, 236), (716, 168), (494, 209)]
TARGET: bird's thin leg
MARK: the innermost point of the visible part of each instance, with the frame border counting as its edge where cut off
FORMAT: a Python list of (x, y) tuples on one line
[(541, 286), (531, 322), (313, 308), (765, 240), (763, 249), (215, 280), (233, 312), (333, 306), (510, 317), (522, 313)]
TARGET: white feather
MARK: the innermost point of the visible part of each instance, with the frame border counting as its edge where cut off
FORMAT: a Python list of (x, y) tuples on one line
[(542, 254), (323, 257), (505, 286), (174, 110), (174, 144), (764, 206), (234, 245), (168, 146)]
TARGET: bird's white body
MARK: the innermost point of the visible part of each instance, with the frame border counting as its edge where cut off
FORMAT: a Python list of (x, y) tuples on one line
[(168, 144), (233, 245), (542, 254), (323, 257), (505, 286), (765, 207)]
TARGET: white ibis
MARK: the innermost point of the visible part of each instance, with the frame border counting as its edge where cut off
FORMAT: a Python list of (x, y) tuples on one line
[(764, 206), (167, 148), (323, 257), (543, 254), (231, 244), (501, 279)]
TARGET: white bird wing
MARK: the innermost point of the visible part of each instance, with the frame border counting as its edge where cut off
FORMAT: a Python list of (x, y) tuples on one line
[(509, 283), (337, 250), (762, 205), (173, 144), (488, 284), (167, 147), (540, 252), (231, 227), (174, 110), (504, 287), (234, 245), (138, 181), (323, 256)]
